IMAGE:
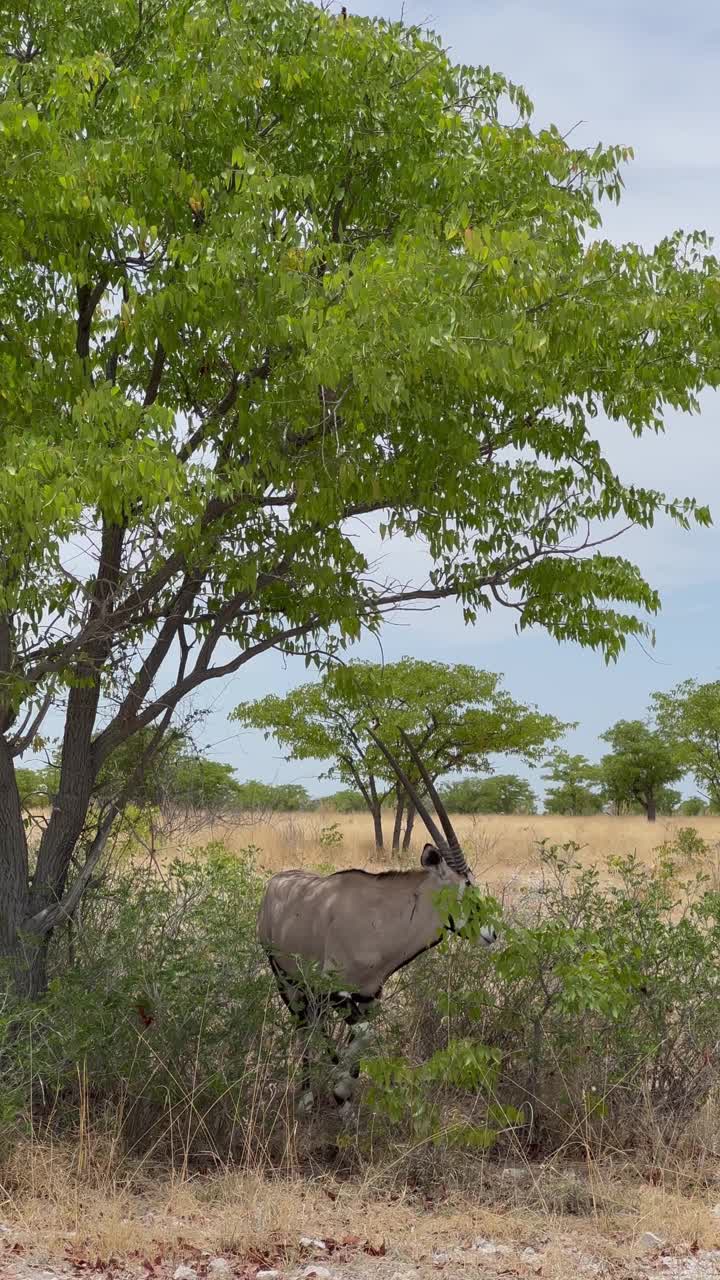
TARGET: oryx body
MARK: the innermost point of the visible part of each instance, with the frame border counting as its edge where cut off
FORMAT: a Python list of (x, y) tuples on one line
[(359, 926), (356, 928)]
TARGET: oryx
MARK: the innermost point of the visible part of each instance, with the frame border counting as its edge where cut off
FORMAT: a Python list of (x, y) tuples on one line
[(358, 928)]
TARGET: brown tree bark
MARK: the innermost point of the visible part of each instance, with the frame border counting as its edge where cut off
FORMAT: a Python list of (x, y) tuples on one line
[(409, 823), (399, 812)]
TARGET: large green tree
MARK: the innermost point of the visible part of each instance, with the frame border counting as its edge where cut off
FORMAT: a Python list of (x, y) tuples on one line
[(639, 768), (265, 272), (689, 717), (455, 715)]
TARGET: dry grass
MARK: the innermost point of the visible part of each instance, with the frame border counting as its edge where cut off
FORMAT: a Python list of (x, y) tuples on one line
[(89, 1214), (502, 848)]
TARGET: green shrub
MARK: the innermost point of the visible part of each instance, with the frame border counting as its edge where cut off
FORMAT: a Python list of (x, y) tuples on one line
[(686, 847), (161, 1007), (603, 1001), (331, 837)]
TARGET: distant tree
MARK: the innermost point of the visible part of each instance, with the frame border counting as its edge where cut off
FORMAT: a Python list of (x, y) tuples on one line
[(191, 782), (576, 785), (501, 793), (640, 765), (668, 801), (169, 776), (689, 717), (456, 715), (256, 796), (693, 807), (345, 801), (34, 787)]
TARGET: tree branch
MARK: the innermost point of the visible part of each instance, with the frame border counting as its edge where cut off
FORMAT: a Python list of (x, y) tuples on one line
[(43, 922)]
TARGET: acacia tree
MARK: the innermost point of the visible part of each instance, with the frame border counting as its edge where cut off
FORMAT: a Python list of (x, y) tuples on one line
[(639, 768), (256, 262), (455, 715)]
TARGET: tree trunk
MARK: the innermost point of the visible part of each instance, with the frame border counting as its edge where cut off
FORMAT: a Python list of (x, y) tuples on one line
[(377, 823), (651, 809), (399, 811), (376, 811), (15, 951), (409, 823)]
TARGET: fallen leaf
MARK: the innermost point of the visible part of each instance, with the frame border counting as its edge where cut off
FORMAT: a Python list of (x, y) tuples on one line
[(375, 1250)]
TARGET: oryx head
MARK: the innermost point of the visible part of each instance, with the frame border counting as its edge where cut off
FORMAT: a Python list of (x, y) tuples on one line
[(444, 858)]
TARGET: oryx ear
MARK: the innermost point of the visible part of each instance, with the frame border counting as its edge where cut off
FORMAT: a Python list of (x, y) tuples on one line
[(430, 856)]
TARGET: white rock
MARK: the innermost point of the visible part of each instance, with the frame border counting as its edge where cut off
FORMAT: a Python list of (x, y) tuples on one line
[(185, 1273), (308, 1243), (650, 1241), (220, 1269), (316, 1273), (481, 1245)]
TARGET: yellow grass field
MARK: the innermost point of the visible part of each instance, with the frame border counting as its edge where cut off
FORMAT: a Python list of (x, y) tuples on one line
[(501, 849)]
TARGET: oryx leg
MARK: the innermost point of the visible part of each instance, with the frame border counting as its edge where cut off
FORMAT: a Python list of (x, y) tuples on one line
[(356, 1011), (308, 1014)]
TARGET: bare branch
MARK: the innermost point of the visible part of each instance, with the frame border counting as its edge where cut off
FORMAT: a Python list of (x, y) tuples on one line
[(45, 921)]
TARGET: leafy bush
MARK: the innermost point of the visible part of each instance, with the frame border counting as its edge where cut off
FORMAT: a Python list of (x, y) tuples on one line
[(686, 847), (603, 1001), (331, 837), (160, 1008)]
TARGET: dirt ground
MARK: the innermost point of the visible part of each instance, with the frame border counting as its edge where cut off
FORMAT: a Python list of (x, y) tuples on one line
[(249, 1229)]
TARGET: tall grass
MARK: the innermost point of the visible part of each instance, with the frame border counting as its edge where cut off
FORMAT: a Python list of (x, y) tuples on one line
[(502, 848)]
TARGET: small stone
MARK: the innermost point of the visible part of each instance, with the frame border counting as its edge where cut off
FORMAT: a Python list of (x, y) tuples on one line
[(648, 1240), (185, 1273), (481, 1245), (307, 1242), (316, 1273), (220, 1269)]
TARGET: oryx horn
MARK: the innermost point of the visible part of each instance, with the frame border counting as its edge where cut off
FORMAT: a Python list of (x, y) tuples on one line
[(448, 844)]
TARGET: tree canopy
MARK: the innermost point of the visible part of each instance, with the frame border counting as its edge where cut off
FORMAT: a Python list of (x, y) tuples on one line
[(456, 716), (689, 717), (256, 262), (576, 784), (501, 793), (639, 767)]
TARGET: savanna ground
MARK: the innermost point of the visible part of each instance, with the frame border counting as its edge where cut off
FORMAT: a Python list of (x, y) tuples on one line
[(304, 1195)]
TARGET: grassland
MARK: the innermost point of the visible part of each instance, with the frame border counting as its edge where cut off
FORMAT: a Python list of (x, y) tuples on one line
[(502, 849)]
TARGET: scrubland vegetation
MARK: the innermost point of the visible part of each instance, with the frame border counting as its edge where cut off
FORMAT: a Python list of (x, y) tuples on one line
[(573, 1070)]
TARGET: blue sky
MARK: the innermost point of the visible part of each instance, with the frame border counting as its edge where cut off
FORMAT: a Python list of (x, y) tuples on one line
[(642, 74)]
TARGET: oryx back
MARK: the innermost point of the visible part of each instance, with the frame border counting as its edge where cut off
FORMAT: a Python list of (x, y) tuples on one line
[(358, 926)]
